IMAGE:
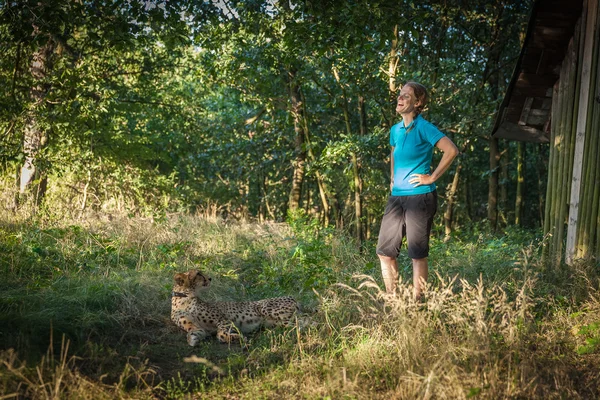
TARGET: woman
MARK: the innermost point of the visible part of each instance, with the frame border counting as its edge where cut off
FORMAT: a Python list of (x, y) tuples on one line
[(413, 202)]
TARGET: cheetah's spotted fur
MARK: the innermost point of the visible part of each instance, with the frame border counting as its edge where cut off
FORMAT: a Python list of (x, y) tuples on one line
[(200, 319)]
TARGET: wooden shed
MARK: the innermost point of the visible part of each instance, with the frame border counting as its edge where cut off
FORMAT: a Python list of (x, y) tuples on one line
[(554, 98)]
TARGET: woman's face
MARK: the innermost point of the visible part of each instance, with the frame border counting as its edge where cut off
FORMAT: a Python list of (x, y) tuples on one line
[(407, 102)]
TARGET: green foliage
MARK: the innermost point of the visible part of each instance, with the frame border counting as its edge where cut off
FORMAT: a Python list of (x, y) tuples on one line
[(184, 106), (310, 261), (591, 333)]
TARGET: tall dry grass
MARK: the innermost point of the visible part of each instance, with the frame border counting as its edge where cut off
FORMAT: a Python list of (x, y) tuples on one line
[(468, 340), (56, 376)]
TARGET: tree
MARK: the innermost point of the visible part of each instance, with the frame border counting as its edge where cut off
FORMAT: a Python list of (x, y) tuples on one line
[(84, 61)]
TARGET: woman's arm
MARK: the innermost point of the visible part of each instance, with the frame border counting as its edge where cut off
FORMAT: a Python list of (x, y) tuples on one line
[(450, 152)]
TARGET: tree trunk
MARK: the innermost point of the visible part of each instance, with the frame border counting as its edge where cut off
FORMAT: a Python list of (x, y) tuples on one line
[(244, 191), (260, 183), (520, 183), (493, 184), (451, 196), (299, 163), (393, 65), (338, 212), (542, 171), (313, 159), (503, 186), (308, 201), (35, 135), (362, 112), (356, 180), (440, 35), (357, 198), (491, 74), (469, 198)]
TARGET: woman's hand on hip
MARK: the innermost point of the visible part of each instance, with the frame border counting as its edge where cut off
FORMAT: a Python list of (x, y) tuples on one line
[(420, 179)]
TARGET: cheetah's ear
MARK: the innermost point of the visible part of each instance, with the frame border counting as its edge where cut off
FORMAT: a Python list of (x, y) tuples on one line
[(180, 279)]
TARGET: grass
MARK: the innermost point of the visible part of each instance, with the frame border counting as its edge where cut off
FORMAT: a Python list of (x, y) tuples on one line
[(84, 313)]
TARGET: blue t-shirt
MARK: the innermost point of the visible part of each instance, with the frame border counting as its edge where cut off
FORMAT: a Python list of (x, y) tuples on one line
[(413, 152)]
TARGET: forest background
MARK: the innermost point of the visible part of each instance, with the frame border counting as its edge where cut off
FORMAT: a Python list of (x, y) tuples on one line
[(251, 109), (251, 139)]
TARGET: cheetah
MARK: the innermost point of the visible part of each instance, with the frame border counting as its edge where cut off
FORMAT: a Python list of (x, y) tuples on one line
[(227, 319)]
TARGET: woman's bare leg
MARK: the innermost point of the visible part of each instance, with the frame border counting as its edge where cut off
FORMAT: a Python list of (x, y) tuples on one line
[(389, 270), (420, 272)]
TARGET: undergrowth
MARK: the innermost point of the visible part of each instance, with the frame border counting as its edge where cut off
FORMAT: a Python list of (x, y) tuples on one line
[(84, 313)]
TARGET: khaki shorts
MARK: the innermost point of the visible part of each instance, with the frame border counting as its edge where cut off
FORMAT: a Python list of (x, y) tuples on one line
[(410, 217)]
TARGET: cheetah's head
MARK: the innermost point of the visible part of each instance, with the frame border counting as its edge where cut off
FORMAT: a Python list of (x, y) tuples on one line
[(188, 282)]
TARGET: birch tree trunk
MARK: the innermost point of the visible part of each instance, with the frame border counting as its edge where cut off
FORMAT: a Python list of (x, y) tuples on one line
[(35, 134), (393, 65)]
